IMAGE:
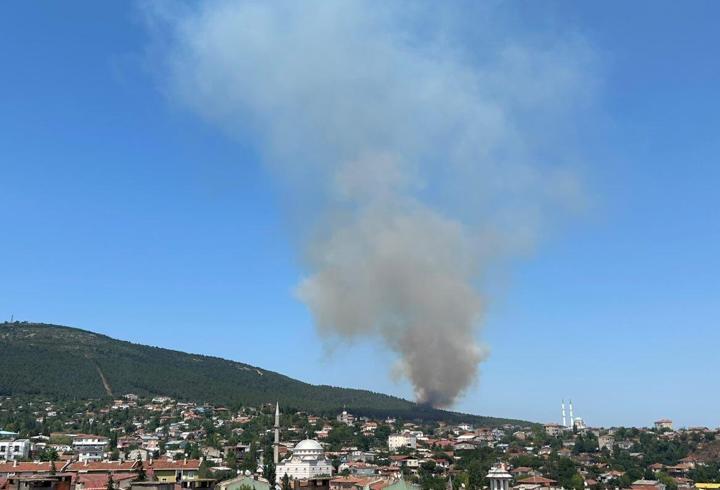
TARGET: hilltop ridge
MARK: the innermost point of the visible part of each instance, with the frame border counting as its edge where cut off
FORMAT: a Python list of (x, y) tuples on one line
[(67, 362)]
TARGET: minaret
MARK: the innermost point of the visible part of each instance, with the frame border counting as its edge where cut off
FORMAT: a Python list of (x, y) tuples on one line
[(563, 414), (276, 446), (572, 417)]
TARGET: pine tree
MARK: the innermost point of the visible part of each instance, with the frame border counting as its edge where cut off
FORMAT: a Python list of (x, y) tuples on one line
[(269, 472), (286, 482), (142, 476)]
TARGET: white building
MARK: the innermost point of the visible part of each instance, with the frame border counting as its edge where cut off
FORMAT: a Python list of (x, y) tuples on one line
[(499, 477), (397, 441), (308, 460), (14, 449), (346, 418), (90, 447)]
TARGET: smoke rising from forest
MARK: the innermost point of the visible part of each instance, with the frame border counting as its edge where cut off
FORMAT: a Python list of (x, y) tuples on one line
[(420, 148)]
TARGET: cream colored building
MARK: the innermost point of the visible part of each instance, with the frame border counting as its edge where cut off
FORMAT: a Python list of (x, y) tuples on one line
[(308, 460)]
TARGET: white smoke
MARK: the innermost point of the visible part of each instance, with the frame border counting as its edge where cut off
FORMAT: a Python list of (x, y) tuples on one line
[(422, 153)]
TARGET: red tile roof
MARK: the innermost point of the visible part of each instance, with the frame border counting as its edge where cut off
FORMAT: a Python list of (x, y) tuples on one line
[(103, 466), (536, 480), (166, 464), (21, 467), (96, 481)]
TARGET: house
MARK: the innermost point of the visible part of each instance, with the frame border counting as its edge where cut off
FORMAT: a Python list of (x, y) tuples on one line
[(168, 471), (464, 446), (139, 454), (520, 435), (358, 468), (647, 485), (14, 449), (626, 445), (553, 430), (522, 471), (401, 484), (680, 470), (242, 482), (610, 475), (17, 468), (103, 467), (693, 461), (44, 482), (397, 441), (663, 424), (606, 441), (356, 483), (90, 447), (99, 481), (346, 418), (536, 483)]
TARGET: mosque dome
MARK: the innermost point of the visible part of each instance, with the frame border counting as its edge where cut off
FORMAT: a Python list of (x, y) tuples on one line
[(308, 445), (308, 450)]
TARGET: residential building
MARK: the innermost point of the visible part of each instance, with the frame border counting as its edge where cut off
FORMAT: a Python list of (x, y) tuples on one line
[(44, 482), (90, 447), (647, 485), (168, 471), (397, 441), (536, 483), (17, 468), (553, 430), (357, 483), (14, 449), (606, 441), (346, 418), (243, 482)]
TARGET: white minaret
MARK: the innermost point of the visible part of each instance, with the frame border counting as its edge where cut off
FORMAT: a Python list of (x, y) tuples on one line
[(564, 423), (276, 446), (572, 416)]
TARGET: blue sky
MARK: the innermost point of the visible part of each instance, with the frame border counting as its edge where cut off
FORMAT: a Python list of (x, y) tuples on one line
[(126, 214)]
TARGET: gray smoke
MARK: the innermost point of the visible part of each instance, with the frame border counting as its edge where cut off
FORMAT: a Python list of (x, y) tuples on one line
[(419, 147)]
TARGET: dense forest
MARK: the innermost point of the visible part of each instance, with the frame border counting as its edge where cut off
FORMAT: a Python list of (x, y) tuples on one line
[(68, 363)]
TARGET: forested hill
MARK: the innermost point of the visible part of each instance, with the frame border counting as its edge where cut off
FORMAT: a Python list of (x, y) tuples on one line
[(64, 362)]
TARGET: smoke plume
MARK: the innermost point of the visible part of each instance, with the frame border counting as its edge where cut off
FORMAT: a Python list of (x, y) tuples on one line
[(420, 147)]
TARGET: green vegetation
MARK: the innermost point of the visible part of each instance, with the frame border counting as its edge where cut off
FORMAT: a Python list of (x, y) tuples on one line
[(68, 363)]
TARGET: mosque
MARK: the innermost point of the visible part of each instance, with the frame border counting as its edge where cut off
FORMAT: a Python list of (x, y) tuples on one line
[(308, 458)]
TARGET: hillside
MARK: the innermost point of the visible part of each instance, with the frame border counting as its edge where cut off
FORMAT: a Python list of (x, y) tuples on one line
[(64, 362)]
